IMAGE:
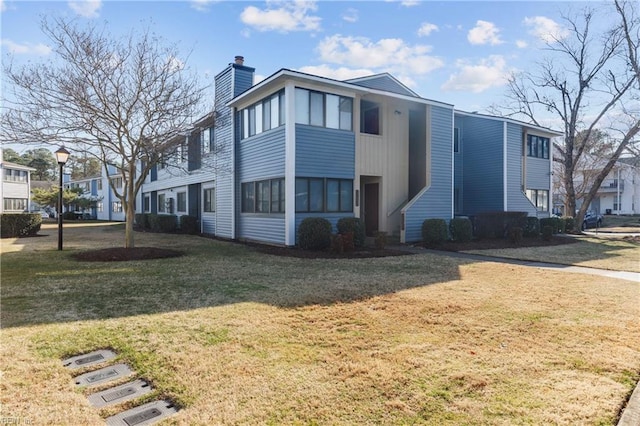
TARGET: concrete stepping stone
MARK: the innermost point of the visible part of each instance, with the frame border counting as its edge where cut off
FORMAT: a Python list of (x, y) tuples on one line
[(119, 394), (103, 375), (89, 359), (145, 414)]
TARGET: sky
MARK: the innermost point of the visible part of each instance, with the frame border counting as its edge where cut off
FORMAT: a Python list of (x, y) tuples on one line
[(460, 53)]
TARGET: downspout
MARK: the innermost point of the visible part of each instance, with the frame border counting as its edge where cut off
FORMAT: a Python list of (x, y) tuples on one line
[(618, 193), (453, 162)]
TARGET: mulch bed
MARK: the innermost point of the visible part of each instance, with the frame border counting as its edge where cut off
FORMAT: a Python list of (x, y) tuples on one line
[(119, 254), (489, 244)]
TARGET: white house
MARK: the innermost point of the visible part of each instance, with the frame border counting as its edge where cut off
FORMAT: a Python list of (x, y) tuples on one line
[(15, 189)]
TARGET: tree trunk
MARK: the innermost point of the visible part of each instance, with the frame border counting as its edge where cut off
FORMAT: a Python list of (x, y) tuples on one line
[(128, 226)]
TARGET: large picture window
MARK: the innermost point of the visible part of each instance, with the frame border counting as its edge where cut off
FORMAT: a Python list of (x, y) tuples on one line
[(324, 195), (324, 109), (265, 196), (537, 146), (264, 115)]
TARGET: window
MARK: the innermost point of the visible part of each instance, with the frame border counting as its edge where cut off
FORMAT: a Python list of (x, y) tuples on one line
[(146, 203), (264, 115), (617, 202), (116, 207), (206, 140), (369, 117), (100, 206), (11, 175), (161, 203), (540, 198), (324, 195), (323, 109), (116, 182), (209, 200), (181, 202), (99, 184), (265, 196), (537, 146), (456, 139), (15, 204)]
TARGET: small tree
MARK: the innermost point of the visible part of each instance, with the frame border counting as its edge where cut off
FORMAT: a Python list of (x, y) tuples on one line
[(121, 101), (49, 197)]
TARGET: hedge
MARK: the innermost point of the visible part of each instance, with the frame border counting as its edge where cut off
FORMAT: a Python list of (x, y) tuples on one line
[(434, 231), (461, 229), (14, 225), (532, 227), (355, 225), (498, 223), (189, 224)]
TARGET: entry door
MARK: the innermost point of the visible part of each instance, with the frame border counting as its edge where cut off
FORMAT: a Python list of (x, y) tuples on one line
[(371, 208)]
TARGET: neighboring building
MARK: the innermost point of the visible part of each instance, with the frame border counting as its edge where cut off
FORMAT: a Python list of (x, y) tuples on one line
[(105, 205), (298, 145), (619, 193), (15, 190)]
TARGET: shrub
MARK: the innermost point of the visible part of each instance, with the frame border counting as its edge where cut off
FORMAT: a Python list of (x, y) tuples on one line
[(497, 224), (68, 216), (380, 240), (560, 225), (461, 229), (167, 222), (152, 220), (569, 223), (547, 232), (314, 233), (189, 224), (14, 225), (556, 224), (434, 231), (354, 225), (142, 220), (532, 227), (515, 234)]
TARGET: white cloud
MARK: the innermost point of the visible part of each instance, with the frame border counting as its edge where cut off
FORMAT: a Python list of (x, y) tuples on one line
[(427, 28), (350, 15), (545, 29), (86, 8), (484, 33), (282, 16), (521, 44), (3, 6), (26, 48), (341, 73), (488, 73), (385, 54), (409, 3), (201, 5)]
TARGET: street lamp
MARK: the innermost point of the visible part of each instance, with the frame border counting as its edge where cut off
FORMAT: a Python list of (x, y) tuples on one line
[(62, 155)]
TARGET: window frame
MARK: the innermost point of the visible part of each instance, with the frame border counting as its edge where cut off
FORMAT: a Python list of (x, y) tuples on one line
[(538, 147), (181, 203), (305, 185), (539, 198), (257, 196), (364, 109), (309, 102)]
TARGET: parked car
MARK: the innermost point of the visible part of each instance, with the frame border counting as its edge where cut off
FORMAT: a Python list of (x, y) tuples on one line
[(592, 220)]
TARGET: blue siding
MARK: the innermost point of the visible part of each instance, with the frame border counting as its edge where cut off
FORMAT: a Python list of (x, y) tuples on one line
[(516, 198), (264, 228), (482, 158), (261, 156), (384, 82), (209, 223), (324, 152), (243, 78), (538, 173), (435, 202)]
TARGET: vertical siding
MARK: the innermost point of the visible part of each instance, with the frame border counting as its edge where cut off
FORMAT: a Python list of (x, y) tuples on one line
[(434, 201), (516, 198), (324, 152), (261, 157), (482, 158)]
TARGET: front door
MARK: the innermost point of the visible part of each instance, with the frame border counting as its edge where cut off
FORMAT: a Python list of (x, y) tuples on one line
[(371, 208)]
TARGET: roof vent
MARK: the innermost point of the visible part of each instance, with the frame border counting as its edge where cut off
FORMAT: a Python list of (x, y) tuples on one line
[(239, 60)]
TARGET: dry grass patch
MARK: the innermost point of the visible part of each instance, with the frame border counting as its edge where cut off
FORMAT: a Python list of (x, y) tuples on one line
[(615, 254), (239, 337)]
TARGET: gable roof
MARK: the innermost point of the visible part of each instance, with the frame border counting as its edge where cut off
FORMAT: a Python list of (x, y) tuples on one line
[(385, 82), (549, 132)]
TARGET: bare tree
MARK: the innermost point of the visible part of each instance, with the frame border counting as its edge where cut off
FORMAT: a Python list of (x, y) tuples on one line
[(587, 83), (125, 99)]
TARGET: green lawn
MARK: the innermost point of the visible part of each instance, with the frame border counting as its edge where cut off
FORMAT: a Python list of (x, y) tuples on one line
[(238, 337)]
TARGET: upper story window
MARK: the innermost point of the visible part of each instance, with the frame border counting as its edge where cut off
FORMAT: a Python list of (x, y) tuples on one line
[(116, 182), (12, 175), (324, 110), (370, 118), (537, 146), (264, 115), (99, 184), (206, 138)]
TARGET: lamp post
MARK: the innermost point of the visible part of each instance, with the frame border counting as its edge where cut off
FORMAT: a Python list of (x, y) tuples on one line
[(62, 155)]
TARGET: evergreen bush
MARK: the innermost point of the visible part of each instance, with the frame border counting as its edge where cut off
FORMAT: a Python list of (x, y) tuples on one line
[(461, 229), (354, 225), (189, 225), (314, 233), (434, 231), (13, 225), (532, 227)]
